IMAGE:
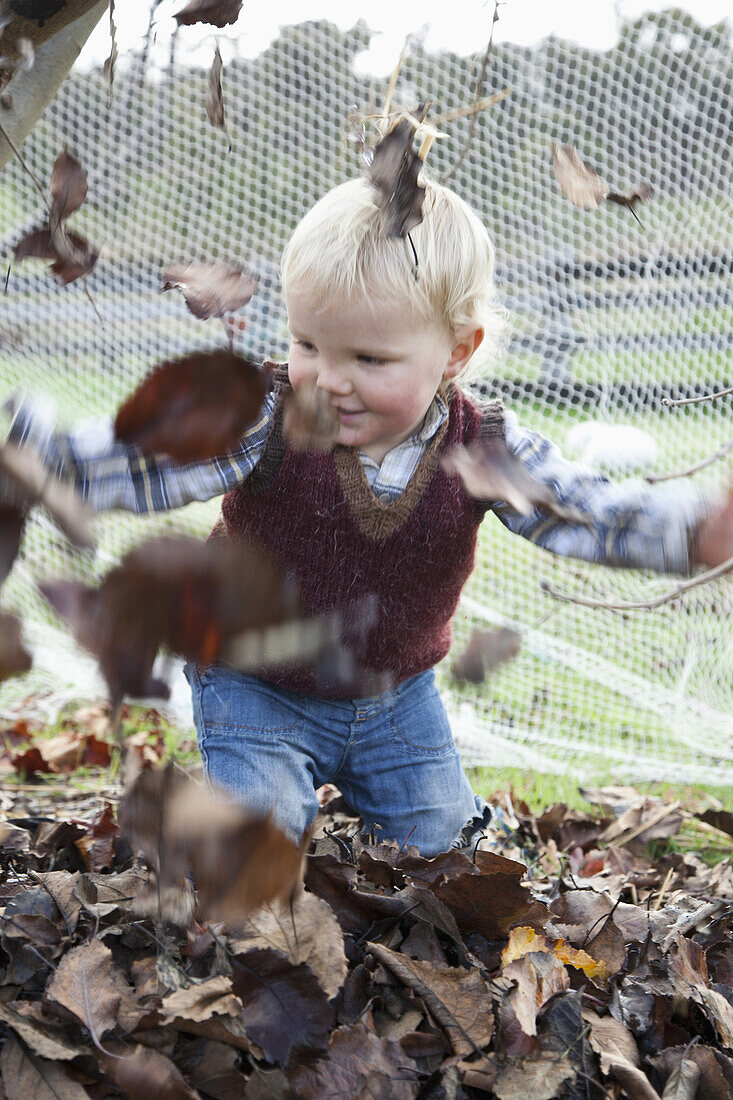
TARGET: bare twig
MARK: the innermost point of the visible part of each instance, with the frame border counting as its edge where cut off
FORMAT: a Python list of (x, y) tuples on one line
[(642, 605), (24, 163), (471, 108), (654, 479), (671, 403), (477, 98)]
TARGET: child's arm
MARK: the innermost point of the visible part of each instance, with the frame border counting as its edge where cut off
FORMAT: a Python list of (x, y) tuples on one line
[(631, 523), (112, 475)]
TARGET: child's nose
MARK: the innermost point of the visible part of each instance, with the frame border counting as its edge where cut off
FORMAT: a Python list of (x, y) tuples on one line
[(333, 378)]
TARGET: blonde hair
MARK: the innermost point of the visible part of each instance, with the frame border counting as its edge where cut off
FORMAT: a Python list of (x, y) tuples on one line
[(339, 250)]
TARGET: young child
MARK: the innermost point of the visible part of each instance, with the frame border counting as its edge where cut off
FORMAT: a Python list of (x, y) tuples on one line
[(378, 515)]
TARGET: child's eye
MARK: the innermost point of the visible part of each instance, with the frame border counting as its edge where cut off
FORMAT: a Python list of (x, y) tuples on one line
[(305, 345), (373, 359)]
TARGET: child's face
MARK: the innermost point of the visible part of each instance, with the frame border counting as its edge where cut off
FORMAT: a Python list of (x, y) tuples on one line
[(379, 365)]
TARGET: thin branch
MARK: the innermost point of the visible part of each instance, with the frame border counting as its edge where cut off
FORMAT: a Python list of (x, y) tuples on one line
[(25, 164), (477, 98), (654, 479), (642, 605), (471, 108), (393, 80), (670, 403)]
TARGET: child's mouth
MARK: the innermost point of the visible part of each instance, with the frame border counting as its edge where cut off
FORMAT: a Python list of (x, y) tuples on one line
[(346, 416)]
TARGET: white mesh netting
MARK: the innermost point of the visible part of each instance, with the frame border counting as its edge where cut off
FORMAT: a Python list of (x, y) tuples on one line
[(608, 316)]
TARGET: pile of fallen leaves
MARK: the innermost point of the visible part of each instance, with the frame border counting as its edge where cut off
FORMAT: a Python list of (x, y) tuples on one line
[(580, 969)]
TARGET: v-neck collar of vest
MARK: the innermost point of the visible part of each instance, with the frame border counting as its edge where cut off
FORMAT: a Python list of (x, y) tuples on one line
[(377, 519)]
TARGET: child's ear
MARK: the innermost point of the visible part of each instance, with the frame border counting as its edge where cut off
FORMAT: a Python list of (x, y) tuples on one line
[(468, 340)]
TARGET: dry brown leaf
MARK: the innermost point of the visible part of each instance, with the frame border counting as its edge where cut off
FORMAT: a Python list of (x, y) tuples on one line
[(83, 983), (193, 408), (359, 1065), (486, 650), (394, 171), (540, 1079), (68, 188), (218, 12), (310, 423), (489, 472), (14, 658), (306, 932), (283, 1006), (215, 97), (37, 485), (578, 181), (201, 1001), (42, 1038), (683, 1081), (611, 1040), (537, 977), (457, 999), (27, 1077), (238, 861), (147, 1074), (211, 289), (493, 902)]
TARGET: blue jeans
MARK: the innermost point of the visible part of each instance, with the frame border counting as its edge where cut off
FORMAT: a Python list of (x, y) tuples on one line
[(391, 755)]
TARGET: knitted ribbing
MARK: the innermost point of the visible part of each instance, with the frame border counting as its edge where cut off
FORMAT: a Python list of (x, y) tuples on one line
[(317, 515)]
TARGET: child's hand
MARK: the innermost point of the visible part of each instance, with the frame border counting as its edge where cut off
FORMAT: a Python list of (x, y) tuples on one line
[(714, 540)]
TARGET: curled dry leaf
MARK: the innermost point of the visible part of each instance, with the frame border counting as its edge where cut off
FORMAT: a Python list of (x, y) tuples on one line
[(214, 96), (68, 188), (218, 12), (202, 1001), (310, 423), (489, 472), (193, 408), (394, 172), (14, 658), (486, 650), (178, 592), (71, 255), (584, 187), (238, 860), (211, 289)]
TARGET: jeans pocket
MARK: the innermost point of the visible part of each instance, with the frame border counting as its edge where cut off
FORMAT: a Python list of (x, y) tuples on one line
[(420, 724), (232, 700)]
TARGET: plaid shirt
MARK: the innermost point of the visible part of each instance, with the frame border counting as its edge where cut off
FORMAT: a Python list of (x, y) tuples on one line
[(629, 524)]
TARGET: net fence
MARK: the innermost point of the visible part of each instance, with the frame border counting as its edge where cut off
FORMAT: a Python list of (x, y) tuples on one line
[(607, 317)]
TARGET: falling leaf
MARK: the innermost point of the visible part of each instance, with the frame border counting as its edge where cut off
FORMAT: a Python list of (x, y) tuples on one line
[(239, 861), (36, 484), (219, 12), (193, 408), (147, 1074), (110, 63), (215, 100), (283, 1005), (489, 472), (310, 422), (584, 187), (178, 592), (71, 255), (394, 171), (486, 650), (68, 188), (211, 289), (12, 523), (14, 658)]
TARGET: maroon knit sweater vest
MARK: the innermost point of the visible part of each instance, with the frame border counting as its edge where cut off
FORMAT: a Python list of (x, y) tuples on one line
[(317, 515)]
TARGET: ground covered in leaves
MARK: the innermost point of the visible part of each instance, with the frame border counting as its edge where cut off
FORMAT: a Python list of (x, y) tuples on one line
[(570, 955)]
